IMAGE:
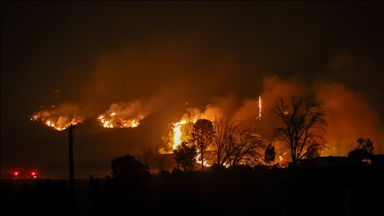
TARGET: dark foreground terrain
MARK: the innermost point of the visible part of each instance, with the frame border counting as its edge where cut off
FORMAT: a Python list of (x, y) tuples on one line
[(349, 191)]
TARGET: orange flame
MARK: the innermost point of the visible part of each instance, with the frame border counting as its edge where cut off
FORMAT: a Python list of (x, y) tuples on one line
[(60, 117), (123, 115), (179, 135), (259, 117), (59, 123), (113, 121)]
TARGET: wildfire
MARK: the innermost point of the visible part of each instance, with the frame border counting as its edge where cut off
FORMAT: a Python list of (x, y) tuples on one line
[(123, 115), (180, 130), (177, 134), (200, 162), (59, 123), (113, 121), (281, 157), (259, 117), (60, 117), (283, 160), (259, 107)]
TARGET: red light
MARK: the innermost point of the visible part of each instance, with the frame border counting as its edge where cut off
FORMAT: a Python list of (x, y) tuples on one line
[(16, 173), (33, 173)]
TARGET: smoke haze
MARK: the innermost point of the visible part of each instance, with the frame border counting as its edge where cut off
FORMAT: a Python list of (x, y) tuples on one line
[(140, 81), (149, 62)]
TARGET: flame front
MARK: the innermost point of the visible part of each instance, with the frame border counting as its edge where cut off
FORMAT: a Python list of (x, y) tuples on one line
[(123, 115), (180, 133), (179, 137), (60, 117), (259, 107), (259, 117), (59, 123), (177, 134), (114, 121)]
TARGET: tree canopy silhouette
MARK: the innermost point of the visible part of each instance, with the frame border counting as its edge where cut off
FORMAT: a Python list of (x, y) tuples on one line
[(359, 155), (365, 144), (270, 153), (224, 128), (202, 135), (185, 156), (244, 148), (303, 125), (128, 168), (235, 144), (313, 152)]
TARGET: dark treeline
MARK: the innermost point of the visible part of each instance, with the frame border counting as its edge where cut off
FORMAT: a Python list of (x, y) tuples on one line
[(30, 197), (239, 190)]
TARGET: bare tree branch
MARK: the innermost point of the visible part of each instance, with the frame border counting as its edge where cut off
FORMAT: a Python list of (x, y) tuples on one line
[(303, 125)]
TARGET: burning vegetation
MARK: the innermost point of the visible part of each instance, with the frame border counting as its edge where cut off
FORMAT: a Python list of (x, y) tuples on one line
[(59, 118), (243, 129), (123, 115), (215, 139)]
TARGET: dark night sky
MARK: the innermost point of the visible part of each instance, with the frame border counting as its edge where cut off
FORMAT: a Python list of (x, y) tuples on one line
[(81, 57)]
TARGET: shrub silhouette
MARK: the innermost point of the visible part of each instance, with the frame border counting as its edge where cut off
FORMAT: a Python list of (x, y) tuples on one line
[(128, 168)]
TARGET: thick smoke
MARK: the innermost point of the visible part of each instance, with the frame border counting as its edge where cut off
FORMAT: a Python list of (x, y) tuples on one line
[(62, 116), (125, 115), (349, 116), (129, 85), (136, 81)]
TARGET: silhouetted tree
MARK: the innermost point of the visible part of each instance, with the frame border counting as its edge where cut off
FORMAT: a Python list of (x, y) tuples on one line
[(161, 163), (185, 156), (303, 126), (147, 156), (234, 144), (365, 144), (128, 168), (269, 154), (359, 154), (96, 194), (202, 135), (243, 147), (217, 168), (125, 193), (224, 128), (312, 152)]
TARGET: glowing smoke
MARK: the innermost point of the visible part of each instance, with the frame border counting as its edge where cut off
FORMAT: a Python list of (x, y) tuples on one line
[(61, 117), (349, 117), (348, 114), (190, 73), (123, 115)]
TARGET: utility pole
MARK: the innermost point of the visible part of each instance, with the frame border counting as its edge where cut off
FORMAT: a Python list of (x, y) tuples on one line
[(71, 176)]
